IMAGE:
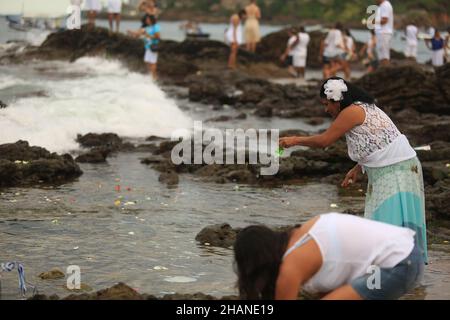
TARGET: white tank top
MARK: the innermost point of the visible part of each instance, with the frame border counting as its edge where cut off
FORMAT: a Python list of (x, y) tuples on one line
[(377, 142), (350, 245)]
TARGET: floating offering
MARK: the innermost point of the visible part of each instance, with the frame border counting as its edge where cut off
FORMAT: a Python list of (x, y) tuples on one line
[(117, 203), (180, 279), (131, 233), (160, 268)]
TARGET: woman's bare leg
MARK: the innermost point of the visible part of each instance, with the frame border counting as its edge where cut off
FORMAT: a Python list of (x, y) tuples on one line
[(233, 56)]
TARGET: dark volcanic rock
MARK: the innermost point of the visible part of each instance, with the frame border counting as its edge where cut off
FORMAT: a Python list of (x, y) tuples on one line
[(169, 178), (22, 165), (409, 87), (110, 141), (118, 292), (2, 105), (96, 155), (219, 235), (122, 291)]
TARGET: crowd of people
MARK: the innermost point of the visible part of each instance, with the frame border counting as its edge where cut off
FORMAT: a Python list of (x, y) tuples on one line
[(337, 50)]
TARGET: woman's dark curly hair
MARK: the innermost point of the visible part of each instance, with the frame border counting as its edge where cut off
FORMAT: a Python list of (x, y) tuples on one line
[(258, 253), (352, 95)]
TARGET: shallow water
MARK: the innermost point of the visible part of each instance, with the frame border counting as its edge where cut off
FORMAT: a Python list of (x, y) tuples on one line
[(152, 229), (148, 239)]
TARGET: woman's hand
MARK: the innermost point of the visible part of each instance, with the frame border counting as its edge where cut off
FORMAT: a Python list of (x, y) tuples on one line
[(288, 142), (351, 176)]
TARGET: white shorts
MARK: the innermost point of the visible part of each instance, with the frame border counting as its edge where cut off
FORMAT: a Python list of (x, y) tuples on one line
[(411, 50), (114, 6), (93, 5), (299, 61), (150, 56), (384, 46), (437, 58)]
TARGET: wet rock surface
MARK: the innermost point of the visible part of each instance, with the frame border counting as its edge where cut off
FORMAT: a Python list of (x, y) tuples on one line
[(122, 291), (2, 105), (22, 165)]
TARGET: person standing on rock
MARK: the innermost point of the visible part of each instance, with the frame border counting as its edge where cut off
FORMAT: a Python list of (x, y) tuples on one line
[(287, 56), (437, 45), (234, 38), (251, 29), (349, 53), (332, 256), (411, 42), (370, 49), (334, 49), (152, 38), (93, 7), (384, 28), (297, 48), (395, 192), (114, 11)]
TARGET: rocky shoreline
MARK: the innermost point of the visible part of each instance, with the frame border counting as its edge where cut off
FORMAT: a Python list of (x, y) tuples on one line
[(417, 99)]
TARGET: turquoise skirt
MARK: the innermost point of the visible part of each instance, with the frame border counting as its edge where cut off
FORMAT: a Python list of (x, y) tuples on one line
[(395, 195)]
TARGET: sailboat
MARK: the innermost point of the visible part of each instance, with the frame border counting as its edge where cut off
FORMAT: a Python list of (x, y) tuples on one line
[(24, 15)]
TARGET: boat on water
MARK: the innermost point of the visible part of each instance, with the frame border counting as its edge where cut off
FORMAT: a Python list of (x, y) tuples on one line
[(193, 31), (26, 15)]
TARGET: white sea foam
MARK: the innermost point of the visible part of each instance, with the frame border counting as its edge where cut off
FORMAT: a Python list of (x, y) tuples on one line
[(108, 98)]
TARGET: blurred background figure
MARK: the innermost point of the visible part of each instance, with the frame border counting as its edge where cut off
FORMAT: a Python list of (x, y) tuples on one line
[(437, 46), (411, 41), (114, 12), (287, 57), (93, 7), (384, 28), (152, 36), (234, 38), (370, 50), (252, 29), (350, 53)]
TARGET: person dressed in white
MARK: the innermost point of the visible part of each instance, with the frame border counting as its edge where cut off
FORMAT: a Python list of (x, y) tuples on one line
[(333, 255), (411, 42), (114, 11), (334, 49), (234, 39), (301, 52), (93, 7), (287, 56), (384, 28), (437, 45)]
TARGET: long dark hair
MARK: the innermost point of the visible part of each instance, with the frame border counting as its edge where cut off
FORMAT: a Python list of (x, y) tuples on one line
[(258, 253), (352, 95)]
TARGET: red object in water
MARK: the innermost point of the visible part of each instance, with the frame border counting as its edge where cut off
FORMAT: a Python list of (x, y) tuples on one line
[(117, 188), (128, 189)]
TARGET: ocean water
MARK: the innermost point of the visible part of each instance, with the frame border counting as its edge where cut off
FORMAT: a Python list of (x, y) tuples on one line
[(89, 95)]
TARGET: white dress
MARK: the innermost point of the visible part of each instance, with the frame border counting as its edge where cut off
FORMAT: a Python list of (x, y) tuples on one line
[(114, 6), (93, 5), (230, 34)]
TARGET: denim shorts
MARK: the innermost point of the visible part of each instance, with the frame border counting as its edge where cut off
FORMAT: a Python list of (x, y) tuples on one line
[(393, 282)]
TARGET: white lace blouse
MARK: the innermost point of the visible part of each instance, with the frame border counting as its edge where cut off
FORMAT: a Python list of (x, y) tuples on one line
[(377, 142)]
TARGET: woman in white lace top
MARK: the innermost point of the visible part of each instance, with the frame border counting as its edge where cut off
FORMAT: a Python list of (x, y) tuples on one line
[(395, 192)]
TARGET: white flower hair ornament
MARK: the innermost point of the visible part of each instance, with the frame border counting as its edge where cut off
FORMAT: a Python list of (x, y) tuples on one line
[(334, 88)]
